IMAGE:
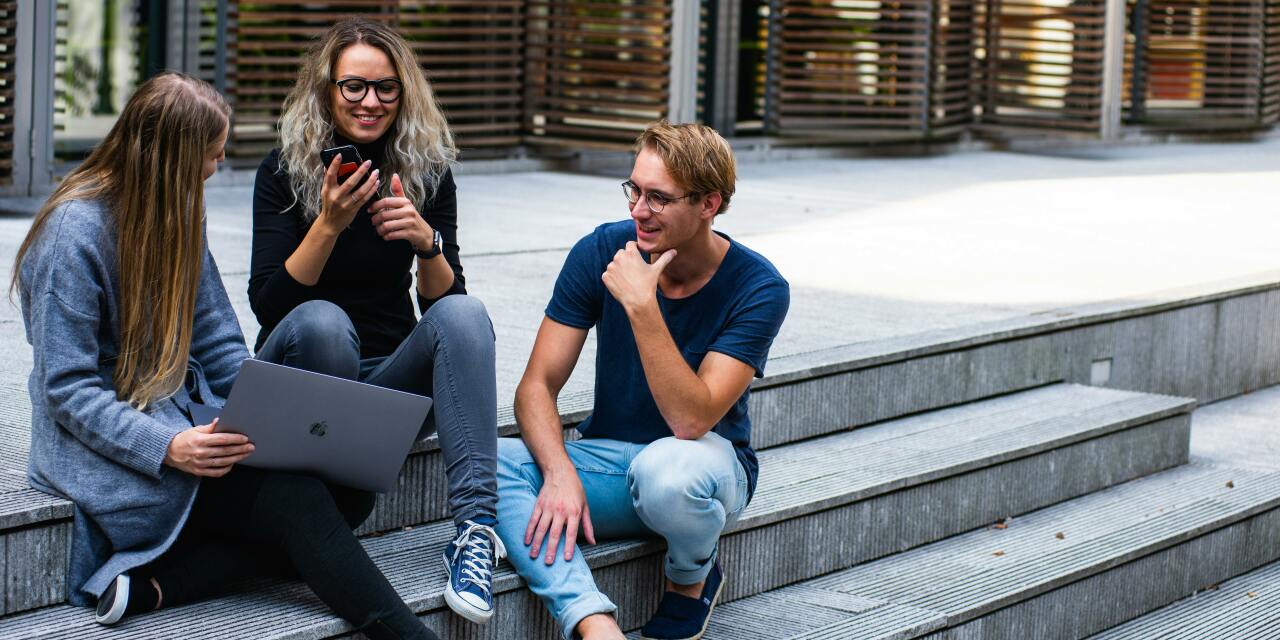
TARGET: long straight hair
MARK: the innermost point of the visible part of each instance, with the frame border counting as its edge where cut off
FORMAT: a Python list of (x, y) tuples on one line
[(420, 146), (148, 172)]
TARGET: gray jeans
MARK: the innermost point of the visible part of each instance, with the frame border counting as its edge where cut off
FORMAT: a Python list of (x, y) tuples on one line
[(449, 356)]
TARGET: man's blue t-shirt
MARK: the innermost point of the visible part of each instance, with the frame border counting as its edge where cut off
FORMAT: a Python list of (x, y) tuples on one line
[(737, 313)]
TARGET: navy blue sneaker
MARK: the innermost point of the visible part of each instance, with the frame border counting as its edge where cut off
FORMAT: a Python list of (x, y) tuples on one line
[(469, 561), (684, 618)]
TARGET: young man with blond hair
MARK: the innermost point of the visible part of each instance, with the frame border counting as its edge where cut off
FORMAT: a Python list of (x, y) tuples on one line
[(684, 318)]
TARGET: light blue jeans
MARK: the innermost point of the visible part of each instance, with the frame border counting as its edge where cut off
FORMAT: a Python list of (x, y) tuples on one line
[(685, 491)]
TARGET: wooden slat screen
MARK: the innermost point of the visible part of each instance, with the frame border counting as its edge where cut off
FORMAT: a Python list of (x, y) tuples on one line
[(471, 50), (858, 68), (208, 44), (8, 51), (1270, 103), (1202, 63), (1039, 63), (951, 96), (753, 73), (265, 42), (597, 71), (473, 53)]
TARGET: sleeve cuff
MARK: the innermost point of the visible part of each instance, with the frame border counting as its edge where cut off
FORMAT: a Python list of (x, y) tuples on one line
[(740, 357), (455, 289), (568, 322), (150, 448)]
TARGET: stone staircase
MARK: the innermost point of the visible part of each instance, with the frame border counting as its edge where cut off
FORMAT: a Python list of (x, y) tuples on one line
[(939, 488)]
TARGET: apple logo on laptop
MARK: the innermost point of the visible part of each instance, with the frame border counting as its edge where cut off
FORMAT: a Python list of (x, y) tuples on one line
[(319, 428)]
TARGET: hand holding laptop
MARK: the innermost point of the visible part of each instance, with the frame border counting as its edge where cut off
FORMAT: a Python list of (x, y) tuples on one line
[(201, 452), (349, 433)]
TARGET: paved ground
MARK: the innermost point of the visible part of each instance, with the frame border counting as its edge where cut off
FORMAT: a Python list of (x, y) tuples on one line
[(874, 248)]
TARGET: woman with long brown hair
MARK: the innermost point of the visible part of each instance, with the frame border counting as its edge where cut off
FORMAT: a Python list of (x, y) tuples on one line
[(130, 327), (332, 274)]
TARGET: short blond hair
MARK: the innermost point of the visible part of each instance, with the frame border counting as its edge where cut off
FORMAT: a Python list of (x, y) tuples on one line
[(696, 156)]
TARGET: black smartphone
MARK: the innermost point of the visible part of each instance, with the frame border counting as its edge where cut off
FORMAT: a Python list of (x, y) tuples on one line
[(350, 160)]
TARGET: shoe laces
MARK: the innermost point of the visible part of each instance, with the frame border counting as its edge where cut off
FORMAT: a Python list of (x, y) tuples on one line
[(477, 545)]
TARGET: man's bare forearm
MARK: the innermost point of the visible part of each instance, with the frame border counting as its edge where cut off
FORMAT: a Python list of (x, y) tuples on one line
[(682, 397), (541, 428)]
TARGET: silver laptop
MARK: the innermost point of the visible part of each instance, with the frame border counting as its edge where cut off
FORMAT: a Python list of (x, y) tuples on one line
[(346, 432)]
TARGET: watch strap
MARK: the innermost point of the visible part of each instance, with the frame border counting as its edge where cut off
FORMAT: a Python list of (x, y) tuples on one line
[(437, 244)]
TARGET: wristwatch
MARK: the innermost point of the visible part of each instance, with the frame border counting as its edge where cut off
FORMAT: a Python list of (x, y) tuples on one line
[(437, 243)]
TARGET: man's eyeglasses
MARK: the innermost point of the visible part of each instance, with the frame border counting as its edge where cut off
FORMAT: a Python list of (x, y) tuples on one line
[(354, 89), (655, 201)]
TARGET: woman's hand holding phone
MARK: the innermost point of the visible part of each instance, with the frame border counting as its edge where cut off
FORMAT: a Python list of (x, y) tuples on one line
[(201, 452), (339, 202)]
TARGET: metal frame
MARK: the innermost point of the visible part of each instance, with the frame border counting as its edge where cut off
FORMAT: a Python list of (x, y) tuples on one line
[(37, 121), (930, 54), (724, 22), (182, 40), (22, 109), (1113, 69), (682, 104)]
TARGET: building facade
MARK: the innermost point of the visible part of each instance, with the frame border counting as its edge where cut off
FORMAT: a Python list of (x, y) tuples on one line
[(522, 77)]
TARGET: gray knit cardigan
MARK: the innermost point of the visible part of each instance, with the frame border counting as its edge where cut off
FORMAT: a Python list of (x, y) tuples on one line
[(86, 445)]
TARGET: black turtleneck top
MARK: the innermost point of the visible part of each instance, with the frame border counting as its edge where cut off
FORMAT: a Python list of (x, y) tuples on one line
[(366, 276)]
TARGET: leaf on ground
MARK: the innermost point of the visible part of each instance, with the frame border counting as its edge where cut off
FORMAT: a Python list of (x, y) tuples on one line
[(998, 554), (1059, 535), (1252, 594)]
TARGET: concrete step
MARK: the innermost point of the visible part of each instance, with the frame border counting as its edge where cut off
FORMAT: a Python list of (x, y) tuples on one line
[(1067, 571), (885, 488), (1243, 608), (1207, 342), (807, 400)]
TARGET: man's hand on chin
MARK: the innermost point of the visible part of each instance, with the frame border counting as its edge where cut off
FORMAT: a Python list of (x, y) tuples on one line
[(632, 281)]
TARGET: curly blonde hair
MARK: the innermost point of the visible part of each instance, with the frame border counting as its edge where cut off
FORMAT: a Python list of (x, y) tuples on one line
[(420, 147)]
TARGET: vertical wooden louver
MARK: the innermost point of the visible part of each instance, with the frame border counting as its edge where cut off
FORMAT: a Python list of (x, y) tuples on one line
[(858, 68), (597, 71), (207, 47), (471, 50), (265, 45), (1200, 63), (951, 95), (1269, 109), (8, 51), (1039, 64)]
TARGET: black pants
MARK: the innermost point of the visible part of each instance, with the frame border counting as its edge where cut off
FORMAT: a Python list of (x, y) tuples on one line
[(254, 522)]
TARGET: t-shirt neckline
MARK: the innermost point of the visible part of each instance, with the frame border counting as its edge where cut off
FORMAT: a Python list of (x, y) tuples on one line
[(733, 247)]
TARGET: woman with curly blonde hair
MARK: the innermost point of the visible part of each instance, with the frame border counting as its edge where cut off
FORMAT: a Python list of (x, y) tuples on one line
[(333, 258)]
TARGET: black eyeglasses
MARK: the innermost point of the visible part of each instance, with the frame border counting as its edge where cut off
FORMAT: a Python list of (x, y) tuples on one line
[(655, 201), (354, 89)]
